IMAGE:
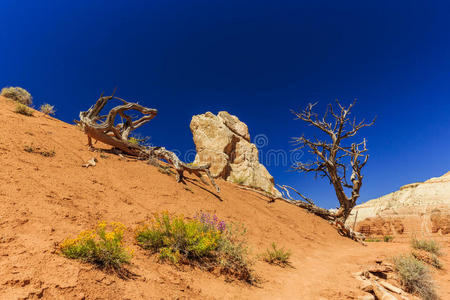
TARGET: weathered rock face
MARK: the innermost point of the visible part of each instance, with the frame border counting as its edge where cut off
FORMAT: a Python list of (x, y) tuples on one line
[(440, 222), (380, 226), (422, 207), (224, 141)]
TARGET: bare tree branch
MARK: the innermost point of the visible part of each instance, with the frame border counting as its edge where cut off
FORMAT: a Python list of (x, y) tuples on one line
[(334, 159)]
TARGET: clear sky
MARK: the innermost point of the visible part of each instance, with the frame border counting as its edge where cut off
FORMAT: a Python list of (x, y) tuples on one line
[(255, 59)]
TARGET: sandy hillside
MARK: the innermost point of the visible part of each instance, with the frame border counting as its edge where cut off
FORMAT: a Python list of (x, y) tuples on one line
[(43, 200)]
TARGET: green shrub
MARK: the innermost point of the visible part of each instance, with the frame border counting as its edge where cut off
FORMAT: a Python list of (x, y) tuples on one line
[(415, 277), (203, 241), (47, 109), (427, 245), (277, 256), (103, 246), (139, 140), (176, 238), (233, 254), (23, 110), (17, 94), (388, 238), (372, 240), (239, 180), (134, 141)]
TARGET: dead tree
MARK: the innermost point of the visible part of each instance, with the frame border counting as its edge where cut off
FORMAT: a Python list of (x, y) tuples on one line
[(334, 158), (104, 128)]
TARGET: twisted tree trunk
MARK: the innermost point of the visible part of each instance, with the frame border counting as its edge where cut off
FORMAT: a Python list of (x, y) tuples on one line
[(334, 159), (102, 128)]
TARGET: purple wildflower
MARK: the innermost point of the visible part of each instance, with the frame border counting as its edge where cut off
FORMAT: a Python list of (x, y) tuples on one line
[(212, 222)]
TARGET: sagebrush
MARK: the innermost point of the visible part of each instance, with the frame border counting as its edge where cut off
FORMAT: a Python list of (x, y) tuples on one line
[(23, 110), (204, 241), (415, 277), (277, 256), (428, 245), (47, 109), (17, 94), (103, 246)]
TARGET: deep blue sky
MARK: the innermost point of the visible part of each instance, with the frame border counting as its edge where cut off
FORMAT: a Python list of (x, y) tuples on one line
[(255, 59)]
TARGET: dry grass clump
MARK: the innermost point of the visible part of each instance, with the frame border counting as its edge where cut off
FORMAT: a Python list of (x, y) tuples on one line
[(415, 277), (164, 169), (372, 240), (133, 141), (428, 245), (47, 109), (30, 148), (17, 94), (204, 241), (23, 110), (277, 256), (102, 246), (139, 140), (239, 180)]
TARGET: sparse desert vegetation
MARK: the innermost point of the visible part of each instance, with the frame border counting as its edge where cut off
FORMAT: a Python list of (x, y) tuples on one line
[(428, 245), (133, 141), (23, 110), (30, 148), (47, 109), (204, 241), (388, 238), (372, 240), (17, 94), (103, 246), (239, 179), (277, 256), (415, 277)]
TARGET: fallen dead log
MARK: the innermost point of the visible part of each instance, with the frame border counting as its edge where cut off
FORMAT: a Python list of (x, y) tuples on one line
[(105, 129), (381, 293), (343, 229)]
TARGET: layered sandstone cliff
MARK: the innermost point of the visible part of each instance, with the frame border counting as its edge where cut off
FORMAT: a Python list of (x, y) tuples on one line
[(224, 141), (422, 207)]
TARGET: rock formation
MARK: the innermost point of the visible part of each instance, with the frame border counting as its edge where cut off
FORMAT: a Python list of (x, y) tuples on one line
[(224, 141), (418, 207)]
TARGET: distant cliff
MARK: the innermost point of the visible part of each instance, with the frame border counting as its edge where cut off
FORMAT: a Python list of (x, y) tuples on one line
[(418, 207)]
